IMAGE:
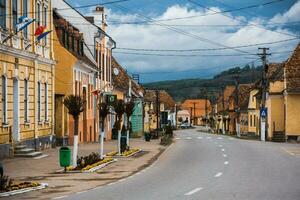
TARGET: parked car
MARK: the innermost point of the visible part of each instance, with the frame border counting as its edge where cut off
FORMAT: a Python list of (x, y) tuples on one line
[(185, 125)]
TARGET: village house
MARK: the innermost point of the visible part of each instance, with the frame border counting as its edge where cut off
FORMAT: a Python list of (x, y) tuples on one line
[(166, 104), (253, 113), (27, 71), (128, 89), (198, 108), (89, 69), (75, 74)]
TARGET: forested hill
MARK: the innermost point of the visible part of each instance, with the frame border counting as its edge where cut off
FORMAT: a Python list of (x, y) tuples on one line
[(199, 88)]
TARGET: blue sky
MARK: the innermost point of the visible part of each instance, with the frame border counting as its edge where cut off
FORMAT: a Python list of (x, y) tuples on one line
[(270, 23)]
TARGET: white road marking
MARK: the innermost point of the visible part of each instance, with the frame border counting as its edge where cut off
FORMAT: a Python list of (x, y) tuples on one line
[(226, 163), (199, 138), (220, 145), (220, 138), (208, 137), (193, 191), (222, 149), (231, 138), (188, 138), (218, 174), (224, 155), (177, 138), (60, 197), (39, 157)]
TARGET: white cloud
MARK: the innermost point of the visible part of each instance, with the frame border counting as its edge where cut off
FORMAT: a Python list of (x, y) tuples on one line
[(159, 37)]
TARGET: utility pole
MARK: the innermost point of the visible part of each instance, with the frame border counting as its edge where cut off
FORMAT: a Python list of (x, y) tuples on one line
[(264, 85), (157, 92), (191, 116), (237, 105), (194, 120)]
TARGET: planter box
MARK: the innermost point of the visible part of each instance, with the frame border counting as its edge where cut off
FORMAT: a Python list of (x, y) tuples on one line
[(20, 191)]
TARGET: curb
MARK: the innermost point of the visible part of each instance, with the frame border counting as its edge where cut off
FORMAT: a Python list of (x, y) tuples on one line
[(87, 171), (117, 156), (20, 191)]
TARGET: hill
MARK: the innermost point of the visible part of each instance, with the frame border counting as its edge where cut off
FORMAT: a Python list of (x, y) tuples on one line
[(199, 88)]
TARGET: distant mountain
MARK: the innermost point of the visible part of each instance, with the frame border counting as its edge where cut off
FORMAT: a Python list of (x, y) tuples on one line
[(199, 88)]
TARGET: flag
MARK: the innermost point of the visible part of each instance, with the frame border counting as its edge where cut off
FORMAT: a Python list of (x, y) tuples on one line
[(41, 32), (23, 23)]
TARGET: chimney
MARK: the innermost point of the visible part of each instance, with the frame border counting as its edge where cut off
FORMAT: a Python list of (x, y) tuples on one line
[(100, 12)]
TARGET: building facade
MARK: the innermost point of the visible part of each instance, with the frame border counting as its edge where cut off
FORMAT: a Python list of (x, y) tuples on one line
[(27, 71)]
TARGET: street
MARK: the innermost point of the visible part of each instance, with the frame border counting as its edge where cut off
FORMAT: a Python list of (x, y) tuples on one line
[(208, 166)]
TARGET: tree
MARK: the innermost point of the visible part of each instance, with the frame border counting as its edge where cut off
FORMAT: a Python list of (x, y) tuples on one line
[(75, 105), (104, 111), (119, 109), (129, 109)]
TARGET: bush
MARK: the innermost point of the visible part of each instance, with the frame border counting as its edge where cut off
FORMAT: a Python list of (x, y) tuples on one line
[(169, 130), (88, 160), (166, 140)]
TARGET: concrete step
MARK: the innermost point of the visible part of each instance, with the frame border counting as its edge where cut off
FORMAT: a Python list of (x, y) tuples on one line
[(278, 137), (24, 150), (20, 147), (29, 155)]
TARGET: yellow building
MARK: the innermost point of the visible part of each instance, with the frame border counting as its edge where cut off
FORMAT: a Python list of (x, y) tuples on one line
[(27, 83), (253, 113)]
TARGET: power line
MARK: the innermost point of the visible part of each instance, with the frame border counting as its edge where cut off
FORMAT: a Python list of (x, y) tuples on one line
[(76, 7), (240, 20), (184, 32), (216, 13), (205, 25), (207, 49)]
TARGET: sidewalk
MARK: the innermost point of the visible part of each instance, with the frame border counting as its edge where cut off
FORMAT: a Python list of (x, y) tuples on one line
[(44, 170)]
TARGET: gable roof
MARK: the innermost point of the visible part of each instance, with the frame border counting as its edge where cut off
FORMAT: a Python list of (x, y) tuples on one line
[(198, 104), (121, 81), (275, 72), (164, 97), (292, 71)]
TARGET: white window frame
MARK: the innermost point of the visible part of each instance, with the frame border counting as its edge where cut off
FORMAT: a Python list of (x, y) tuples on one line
[(46, 102), (26, 100), (38, 14), (4, 99)]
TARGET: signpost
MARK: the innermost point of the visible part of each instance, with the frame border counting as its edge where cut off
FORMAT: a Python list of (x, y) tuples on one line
[(110, 99), (263, 116)]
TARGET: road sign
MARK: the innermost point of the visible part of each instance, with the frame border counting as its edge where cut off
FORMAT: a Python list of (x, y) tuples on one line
[(110, 99), (263, 112)]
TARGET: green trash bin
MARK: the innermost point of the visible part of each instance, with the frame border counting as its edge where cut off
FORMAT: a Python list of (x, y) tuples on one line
[(65, 157)]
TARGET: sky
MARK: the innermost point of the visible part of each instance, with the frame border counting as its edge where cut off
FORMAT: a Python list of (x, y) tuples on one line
[(178, 39)]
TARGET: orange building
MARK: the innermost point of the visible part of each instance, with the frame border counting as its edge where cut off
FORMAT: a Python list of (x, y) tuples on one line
[(198, 109)]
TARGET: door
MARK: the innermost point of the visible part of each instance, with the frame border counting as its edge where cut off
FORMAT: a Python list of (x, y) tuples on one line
[(16, 128), (85, 139)]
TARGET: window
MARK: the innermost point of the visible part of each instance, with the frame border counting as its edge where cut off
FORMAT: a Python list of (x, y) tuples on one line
[(25, 13), (254, 120), (81, 48), (250, 120), (46, 101), (3, 13), (38, 13), (67, 40), (73, 43), (39, 101), (78, 47), (4, 99), (15, 12), (26, 101), (45, 22)]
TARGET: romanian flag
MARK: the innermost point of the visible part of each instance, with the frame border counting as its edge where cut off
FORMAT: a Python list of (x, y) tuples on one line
[(41, 32)]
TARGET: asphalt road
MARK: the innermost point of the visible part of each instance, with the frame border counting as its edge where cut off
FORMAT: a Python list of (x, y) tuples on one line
[(206, 166)]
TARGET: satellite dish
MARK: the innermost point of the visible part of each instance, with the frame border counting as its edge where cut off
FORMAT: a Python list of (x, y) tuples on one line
[(116, 71)]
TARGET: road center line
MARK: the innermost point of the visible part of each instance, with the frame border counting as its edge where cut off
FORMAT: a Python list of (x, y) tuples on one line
[(193, 191), (226, 163), (208, 137), (177, 138), (218, 174), (224, 155), (188, 138), (199, 138), (220, 138), (222, 149), (220, 145)]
